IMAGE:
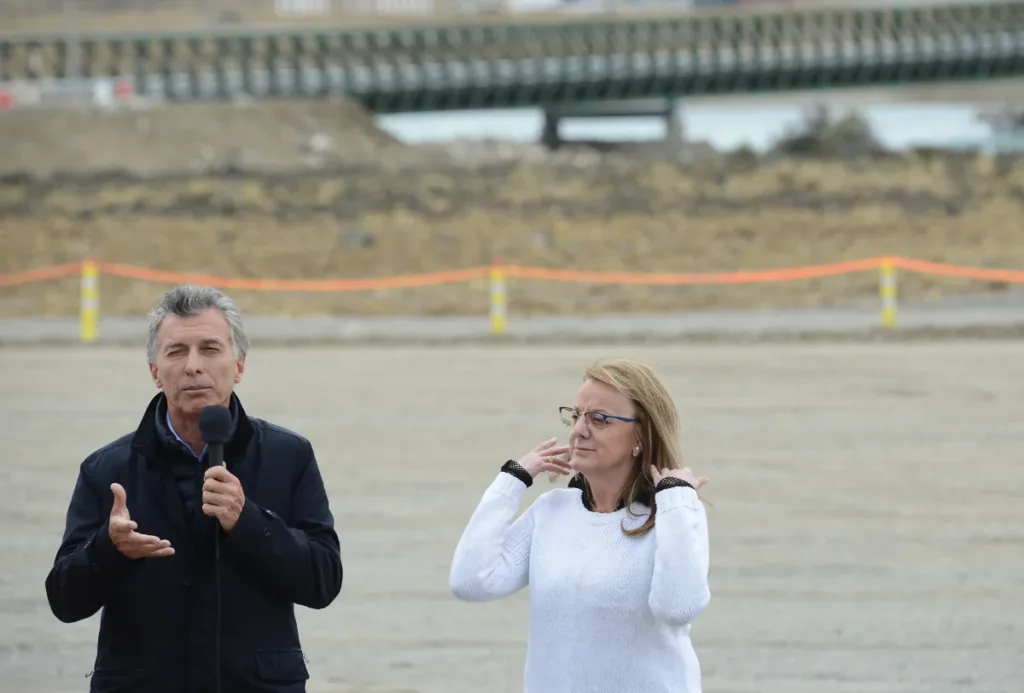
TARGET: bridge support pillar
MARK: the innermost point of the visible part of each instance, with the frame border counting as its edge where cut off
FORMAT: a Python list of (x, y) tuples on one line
[(675, 132), (666, 109), (549, 137)]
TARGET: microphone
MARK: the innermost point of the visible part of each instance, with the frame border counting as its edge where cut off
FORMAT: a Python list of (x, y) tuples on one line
[(215, 427)]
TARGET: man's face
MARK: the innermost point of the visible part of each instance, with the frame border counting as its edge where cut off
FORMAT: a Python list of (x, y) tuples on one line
[(195, 361)]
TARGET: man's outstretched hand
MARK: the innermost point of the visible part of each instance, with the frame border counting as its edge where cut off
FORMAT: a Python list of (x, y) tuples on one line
[(125, 538)]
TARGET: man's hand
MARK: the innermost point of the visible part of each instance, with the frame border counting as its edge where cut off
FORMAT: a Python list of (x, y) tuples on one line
[(223, 496), (125, 538)]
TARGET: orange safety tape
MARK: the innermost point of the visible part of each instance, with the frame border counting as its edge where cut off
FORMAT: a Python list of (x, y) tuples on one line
[(925, 267), (748, 277), (41, 274), (540, 273)]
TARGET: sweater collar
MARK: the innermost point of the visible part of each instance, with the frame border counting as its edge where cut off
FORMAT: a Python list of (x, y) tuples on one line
[(579, 482)]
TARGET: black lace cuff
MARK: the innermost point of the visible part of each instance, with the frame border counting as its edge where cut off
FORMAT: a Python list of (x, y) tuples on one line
[(671, 482), (515, 469)]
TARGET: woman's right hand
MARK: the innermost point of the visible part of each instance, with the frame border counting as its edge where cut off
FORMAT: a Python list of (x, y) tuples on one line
[(546, 458)]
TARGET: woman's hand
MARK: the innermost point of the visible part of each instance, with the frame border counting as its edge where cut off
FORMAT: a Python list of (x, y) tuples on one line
[(546, 458), (686, 474)]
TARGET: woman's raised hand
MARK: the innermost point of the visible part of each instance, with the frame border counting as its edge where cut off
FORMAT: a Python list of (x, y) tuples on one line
[(546, 458)]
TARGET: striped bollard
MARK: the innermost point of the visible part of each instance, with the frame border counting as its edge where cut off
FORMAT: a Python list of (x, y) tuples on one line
[(499, 299), (89, 310), (887, 292)]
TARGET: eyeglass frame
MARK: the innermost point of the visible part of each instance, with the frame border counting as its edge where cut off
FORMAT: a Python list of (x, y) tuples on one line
[(604, 417)]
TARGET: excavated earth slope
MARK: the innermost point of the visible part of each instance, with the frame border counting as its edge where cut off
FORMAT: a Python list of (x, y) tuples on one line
[(208, 189)]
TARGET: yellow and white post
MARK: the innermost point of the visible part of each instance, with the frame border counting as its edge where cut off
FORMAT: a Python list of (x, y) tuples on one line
[(89, 309), (887, 292), (499, 299)]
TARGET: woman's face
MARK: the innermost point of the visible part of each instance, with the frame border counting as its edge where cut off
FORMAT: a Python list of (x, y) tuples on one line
[(602, 434)]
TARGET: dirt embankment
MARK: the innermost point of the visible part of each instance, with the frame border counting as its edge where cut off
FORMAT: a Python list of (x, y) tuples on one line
[(190, 138), (395, 211)]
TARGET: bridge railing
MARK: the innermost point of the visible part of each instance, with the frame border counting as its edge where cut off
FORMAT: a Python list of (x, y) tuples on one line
[(156, 15), (111, 16)]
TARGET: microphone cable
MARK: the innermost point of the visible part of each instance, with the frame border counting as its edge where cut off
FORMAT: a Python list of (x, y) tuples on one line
[(216, 428), (216, 632), (217, 587)]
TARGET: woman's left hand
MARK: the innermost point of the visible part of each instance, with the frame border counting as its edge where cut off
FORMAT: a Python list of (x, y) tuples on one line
[(686, 474)]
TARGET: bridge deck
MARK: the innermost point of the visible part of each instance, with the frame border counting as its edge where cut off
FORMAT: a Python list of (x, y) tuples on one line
[(417, 68)]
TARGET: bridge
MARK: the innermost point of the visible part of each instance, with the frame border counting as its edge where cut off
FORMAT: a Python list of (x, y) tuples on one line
[(555, 63)]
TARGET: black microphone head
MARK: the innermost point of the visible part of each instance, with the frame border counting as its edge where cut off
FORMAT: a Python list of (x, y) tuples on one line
[(215, 424)]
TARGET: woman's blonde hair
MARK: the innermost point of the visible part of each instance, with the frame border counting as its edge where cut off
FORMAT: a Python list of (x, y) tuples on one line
[(656, 430)]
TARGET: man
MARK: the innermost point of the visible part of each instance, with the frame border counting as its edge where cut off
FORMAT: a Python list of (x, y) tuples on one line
[(139, 540)]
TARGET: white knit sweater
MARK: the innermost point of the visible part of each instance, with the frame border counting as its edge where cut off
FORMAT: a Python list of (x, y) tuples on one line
[(608, 613)]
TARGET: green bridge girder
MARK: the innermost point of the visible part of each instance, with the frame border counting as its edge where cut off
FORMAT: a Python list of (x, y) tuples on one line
[(505, 65)]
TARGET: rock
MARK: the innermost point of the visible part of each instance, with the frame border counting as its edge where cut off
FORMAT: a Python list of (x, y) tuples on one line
[(359, 238)]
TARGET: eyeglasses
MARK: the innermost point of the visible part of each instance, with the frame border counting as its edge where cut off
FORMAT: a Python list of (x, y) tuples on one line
[(597, 419)]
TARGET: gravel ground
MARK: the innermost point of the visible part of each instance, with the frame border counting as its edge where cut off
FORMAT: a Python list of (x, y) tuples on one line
[(865, 524)]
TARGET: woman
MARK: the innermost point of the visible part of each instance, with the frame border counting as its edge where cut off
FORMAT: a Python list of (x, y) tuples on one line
[(617, 563)]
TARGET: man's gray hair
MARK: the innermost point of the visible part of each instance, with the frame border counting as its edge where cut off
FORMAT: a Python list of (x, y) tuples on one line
[(189, 301)]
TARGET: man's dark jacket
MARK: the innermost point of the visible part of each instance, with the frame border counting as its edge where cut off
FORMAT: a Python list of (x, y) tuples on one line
[(157, 629)]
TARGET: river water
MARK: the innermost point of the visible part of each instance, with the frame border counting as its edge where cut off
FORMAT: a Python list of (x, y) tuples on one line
[(723, 123)]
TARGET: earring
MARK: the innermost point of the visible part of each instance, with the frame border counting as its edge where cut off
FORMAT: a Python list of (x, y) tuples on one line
[(636, 451)]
